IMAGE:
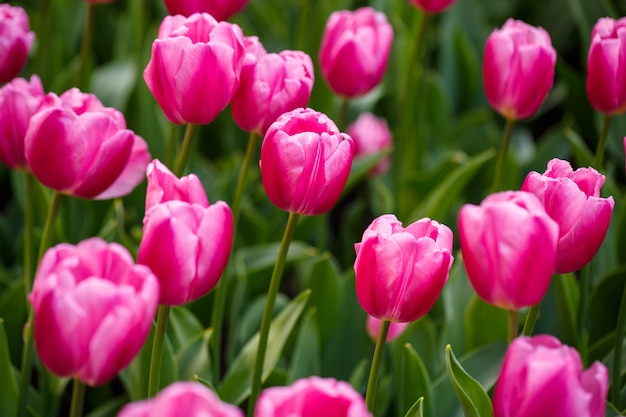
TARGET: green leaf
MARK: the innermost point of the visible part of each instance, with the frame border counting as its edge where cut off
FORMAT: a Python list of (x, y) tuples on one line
[(359, 375), (477, 314), (8, 387), (182, 325), (361, 166), (417, 410), (413, 381), (236, 385), (306, 356), (109, 408), (567, 296), (473, 397), (193, 358)]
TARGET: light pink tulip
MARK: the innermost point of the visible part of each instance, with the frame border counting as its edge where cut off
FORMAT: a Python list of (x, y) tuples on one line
[(518, 69), (606, 64), (399, 271), (93, 309), (312, 397), (572, 199), (195, 65), (355, 50), (371, 135), (432, 6), (372, 325), (19, 100), (182, 399), (164, 186), (187, 246), (305, 162), (15, 41), (275, 84), (541, 377), (509, 246), (219, 9)]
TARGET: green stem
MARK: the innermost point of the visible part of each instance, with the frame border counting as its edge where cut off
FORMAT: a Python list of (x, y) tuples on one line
[(372, 382), (42, 59), (343, 111), (253, 144), (504, 148), (531, 319), (513, 324), (46, 236), (616, 385), (28, 231), (78, 398), (86, 44), (414, 60), (183, 153), (154, 378), (585, 288), (269, 309), (170, 145), (604, 133)]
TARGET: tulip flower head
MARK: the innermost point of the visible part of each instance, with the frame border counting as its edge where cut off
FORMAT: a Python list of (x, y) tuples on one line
[(572, 199), (219, 9), (372, 325), (540, 377), (399, 271), (164, 186), (15, 41), (432, 6), (371, 135), (518, 69)]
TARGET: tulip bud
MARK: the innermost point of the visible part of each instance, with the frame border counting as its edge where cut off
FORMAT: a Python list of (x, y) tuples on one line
[(15, 41), (371, 135), (432, 6), (372, 325), (399, 271), (219, 9), (164, 186)]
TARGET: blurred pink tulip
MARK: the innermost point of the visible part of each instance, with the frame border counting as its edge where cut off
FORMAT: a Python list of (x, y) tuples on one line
[(15, 41), (572, 199), (305, 162), (275, 84), (399, 271), (93, 309), (312, 397), (509, 246), (432, 6), (187, 246), (219, 9), (182, 399), (164, 186), (355, 50), (77, 146), (19, 100), (541, 377), (194, 69), (372, 325), (371, 135), (606, 66), (518, 69)]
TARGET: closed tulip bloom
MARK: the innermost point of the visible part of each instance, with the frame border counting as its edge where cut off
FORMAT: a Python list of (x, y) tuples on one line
[(518, 69), (15, 41), (372, 325), (19, 100), (509, 246), (164, 186), (540, 377), (187, 246), (371, 135), (312, 397), (432, 6), (355, 50), (182, 399), (305, 162), (275, 84), (93, 309), (606, 64), (219, 9), (399, 271), (572, 199), (195, 65)]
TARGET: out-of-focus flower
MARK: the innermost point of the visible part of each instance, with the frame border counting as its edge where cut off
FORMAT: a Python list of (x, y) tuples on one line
[(15, 41), (372, 325), (371, 135), (164, 186), (432, 6), (219, 9)]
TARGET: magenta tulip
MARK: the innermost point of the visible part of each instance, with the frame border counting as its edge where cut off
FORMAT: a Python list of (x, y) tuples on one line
[(355, 50), (540, 377), (195, 65), (305, 162), (518, 69), (509, 246), (371, 135), (93, 309), (15, 41), (219, 9), (606, 64), (275, 84), (182, 399), (432, 6), (372, 325), (164, 186), (572, 199), (19, 100), (399, 271), (312, 397)]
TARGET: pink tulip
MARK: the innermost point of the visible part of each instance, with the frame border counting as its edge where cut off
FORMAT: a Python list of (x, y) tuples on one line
[(187, 246), (164, 186), (572, 199), (305, 162), (312, 397), (15, 41), (432, 6), (355, 50), (77, 146), (275, 84), (606, 63), (371, 135), (219, 9), (93, 309), (194, 69), (540, 377), (182, 399), (399, 271), (18, 102), (509, 246), (372, 325), (518, 69)]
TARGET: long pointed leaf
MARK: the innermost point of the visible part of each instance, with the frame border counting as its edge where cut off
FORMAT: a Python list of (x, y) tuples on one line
[(473, 397)]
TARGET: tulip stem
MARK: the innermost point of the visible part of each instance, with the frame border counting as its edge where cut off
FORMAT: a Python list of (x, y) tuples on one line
[(46, 236), (343, 111), (183, 153), (29, 184), (269, 310), (253, 144), (372, 382), (531, 319), (154, 379), (170, 146), (513, 324), (78, 398), (584, 287), (504, 148), (604, 133), (86, 44), (617, 354)]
